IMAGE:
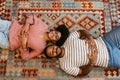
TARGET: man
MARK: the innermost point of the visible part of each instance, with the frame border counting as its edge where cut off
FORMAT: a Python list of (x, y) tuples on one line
[(80, 49)]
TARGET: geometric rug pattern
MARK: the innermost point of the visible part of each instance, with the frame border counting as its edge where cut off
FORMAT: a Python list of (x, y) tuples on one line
[(96, 16)]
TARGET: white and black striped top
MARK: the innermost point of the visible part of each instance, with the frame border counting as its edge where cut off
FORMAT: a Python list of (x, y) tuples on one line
[(76, 51)]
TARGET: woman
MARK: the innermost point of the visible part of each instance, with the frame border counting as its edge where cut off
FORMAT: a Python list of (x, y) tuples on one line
[(29, 38)]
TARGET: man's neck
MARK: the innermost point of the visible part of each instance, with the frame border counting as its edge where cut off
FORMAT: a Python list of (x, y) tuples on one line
[(63, 52)]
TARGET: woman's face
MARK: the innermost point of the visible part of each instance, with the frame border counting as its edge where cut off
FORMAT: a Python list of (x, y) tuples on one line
[(54, 35)]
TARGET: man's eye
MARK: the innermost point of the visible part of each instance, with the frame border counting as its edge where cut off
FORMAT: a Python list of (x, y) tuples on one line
[(50, 53)]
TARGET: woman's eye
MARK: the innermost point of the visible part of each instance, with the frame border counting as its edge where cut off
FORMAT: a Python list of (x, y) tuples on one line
[(57, 37)]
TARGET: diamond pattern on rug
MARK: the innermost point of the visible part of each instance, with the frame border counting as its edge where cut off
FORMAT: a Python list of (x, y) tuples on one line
[(87, 23), (2, 7), (96, 16)]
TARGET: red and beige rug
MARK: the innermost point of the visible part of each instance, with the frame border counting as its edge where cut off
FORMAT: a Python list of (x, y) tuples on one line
[(96, 16)]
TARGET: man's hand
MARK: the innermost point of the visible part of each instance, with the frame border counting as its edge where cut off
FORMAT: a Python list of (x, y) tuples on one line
[(93, 51), (84, 70), (84, 34)]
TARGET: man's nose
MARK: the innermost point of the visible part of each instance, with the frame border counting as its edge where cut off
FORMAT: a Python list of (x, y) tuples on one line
[(54, 49)]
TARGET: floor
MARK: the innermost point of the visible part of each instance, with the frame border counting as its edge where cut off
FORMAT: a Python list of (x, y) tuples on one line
[(96, 16)]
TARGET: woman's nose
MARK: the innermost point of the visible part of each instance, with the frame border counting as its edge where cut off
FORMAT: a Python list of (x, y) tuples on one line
[(53, 35)]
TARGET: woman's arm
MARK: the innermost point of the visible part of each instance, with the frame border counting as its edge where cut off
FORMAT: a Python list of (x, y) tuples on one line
[(28, 22), (27, 54), (25, 28), (24, 31)]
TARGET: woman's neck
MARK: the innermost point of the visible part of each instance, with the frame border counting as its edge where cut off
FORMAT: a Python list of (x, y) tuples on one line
[(46, 38)]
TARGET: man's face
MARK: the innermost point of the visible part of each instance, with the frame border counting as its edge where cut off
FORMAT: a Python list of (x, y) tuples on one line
[(53, 51), (54, 35)]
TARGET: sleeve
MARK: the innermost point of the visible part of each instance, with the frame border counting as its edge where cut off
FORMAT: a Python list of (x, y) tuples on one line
[(75, 35), (71, 70), (26, 55), (65, 66), (41, 24)]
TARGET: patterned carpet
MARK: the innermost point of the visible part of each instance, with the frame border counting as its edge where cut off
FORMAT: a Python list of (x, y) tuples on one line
[(96, 16)]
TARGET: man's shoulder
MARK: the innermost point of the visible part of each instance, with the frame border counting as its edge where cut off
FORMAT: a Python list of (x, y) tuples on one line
[(63, 63), (73, 34)]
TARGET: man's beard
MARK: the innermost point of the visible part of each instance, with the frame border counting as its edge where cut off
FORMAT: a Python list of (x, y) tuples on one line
[(59, 55), (48, 35)]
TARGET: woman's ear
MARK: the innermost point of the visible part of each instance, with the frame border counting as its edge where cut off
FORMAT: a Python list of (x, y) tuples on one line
[(51, 43), (54, 42), (51, 29)]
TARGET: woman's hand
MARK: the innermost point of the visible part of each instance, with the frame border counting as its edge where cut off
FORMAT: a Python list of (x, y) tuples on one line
[(24, 30), (24, 39), (28, 22)]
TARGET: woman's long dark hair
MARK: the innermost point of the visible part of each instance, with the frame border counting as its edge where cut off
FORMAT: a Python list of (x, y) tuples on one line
[(64, 34)]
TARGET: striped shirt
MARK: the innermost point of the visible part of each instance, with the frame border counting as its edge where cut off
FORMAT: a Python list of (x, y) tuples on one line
[(76, 54)]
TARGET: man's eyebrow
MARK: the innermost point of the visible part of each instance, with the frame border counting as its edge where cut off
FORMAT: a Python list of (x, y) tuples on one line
[(51, 51)]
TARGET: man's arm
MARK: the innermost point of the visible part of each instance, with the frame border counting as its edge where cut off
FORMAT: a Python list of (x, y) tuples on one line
[(83, 34), (92, 59), (85, 70), (93, 51)]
